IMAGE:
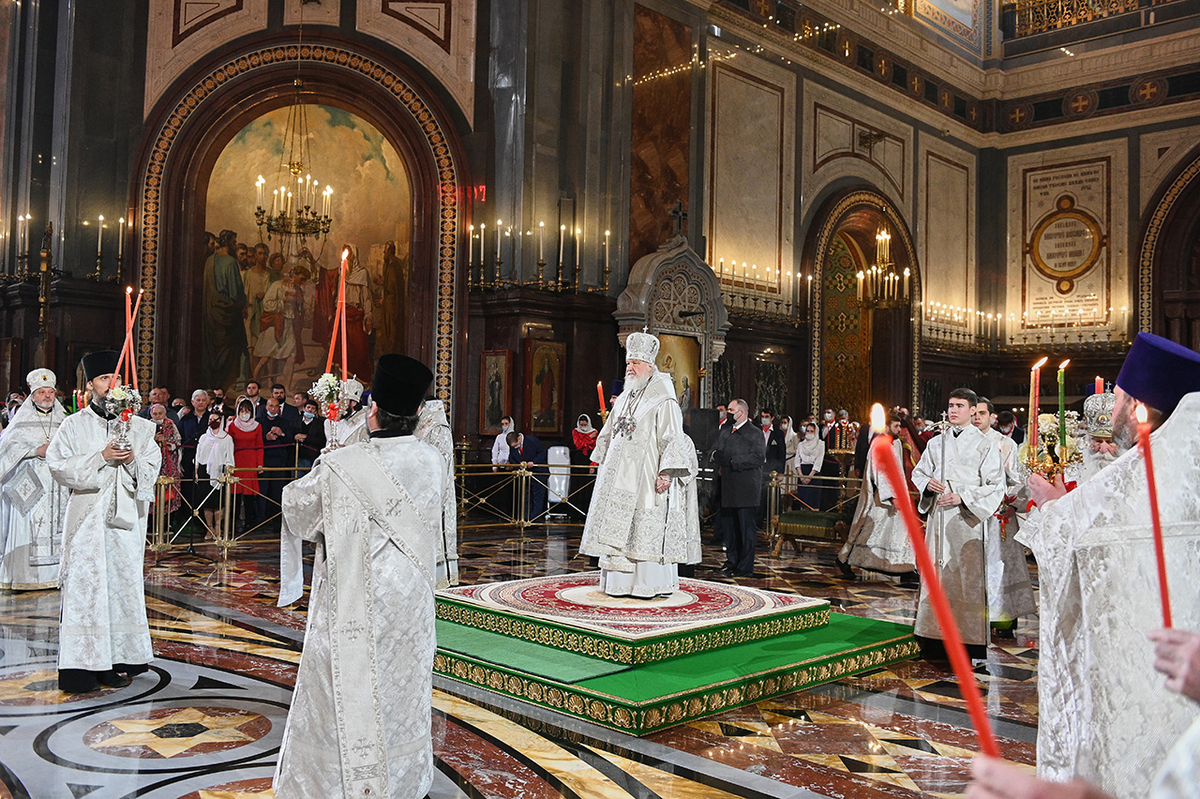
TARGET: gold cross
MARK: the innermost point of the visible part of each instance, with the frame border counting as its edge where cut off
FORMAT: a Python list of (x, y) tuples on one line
[(1081, 103), (1147, 91), (1016, 116)]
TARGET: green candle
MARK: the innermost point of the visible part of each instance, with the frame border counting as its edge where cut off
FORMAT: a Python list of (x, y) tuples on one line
[(1062, 404)]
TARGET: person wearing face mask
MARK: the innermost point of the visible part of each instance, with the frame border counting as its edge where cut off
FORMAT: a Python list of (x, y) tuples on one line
[(31, 503), (166, 435), (776, 459), (248, 460), (1006, 423), (500, 446), (827, 422), (214, 454), (311, 437), (807, 462), (583, 441), (104, 538), (279, 453), (741, 453)]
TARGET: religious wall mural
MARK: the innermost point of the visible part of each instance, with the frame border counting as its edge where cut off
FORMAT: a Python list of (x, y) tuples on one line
[(268, 307)]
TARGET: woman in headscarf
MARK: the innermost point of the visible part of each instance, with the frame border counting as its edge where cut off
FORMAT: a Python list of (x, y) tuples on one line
[(809, 455), (214, 453), (166, 435), (791, 442), (247, 458), (583, 441)]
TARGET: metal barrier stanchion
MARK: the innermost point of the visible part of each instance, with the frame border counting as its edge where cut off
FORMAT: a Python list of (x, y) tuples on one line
[(159, 542), (227, 511)]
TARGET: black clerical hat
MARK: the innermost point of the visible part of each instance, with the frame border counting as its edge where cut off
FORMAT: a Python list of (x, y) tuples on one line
[(1159, 372), (103, 362), (400, 384), (617, 387)]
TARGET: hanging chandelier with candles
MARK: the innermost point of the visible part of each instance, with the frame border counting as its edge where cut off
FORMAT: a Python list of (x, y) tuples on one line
[(300, 206), (881, 286)]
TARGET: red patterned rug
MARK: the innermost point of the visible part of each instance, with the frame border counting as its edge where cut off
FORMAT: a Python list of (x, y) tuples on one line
[(575, 600)]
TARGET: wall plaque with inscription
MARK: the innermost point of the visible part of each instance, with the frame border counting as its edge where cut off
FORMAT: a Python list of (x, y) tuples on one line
[(1066, 244)]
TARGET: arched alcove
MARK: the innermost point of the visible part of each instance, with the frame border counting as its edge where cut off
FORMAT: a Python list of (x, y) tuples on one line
[(860, 356), (1169, 263), (185, 137)]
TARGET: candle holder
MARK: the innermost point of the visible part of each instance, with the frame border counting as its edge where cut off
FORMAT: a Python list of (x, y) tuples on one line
[(99, 268), (1050, 457), (603, 416)]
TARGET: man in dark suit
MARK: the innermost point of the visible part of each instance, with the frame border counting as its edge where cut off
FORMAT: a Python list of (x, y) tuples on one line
[(279, 451), (290, 413), (776, 441), (529, 452), (741, 454)]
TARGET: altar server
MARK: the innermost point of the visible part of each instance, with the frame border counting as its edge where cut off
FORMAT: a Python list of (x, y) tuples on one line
[(878, 540)]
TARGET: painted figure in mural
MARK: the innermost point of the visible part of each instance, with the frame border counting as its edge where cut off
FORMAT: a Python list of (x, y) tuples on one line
[(392, 296), (224, 312), (257, 280), (360, 319), (545, 380), (280, 328), (495, 408)]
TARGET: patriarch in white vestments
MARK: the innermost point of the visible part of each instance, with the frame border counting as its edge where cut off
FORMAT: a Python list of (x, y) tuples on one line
[(32, 504), (359, 724), (1100, 717), (643, 521), (352, 427), (104, 638)]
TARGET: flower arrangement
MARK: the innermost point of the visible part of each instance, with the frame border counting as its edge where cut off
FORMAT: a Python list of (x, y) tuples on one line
[(123, 402)]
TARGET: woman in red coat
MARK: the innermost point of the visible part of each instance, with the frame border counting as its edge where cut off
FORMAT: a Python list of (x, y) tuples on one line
[(583, 441), (247, 459)]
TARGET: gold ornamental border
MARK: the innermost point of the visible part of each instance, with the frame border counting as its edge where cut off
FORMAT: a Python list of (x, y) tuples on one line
[(1154, 230), (642, 718), (409, 100), (597, 645), (1065, 208), (828, 230)]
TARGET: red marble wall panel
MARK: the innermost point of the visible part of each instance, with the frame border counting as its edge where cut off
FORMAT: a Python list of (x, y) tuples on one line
[(662, 118)]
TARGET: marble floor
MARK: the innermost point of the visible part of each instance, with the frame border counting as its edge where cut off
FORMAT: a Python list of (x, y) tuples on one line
[(206, 721)]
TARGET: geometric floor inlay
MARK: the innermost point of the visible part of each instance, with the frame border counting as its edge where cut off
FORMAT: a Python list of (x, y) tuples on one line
[(177, 732)]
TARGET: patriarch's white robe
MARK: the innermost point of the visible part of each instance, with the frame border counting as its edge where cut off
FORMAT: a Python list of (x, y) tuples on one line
[(360, 715), (347, 431), (32, 504), (640, 535), (1103, 713), (104, 542), (954, 535)]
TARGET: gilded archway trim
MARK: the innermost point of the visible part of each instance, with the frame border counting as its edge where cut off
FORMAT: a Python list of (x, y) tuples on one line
[(339, 56), (1154, 229), (821, 247)]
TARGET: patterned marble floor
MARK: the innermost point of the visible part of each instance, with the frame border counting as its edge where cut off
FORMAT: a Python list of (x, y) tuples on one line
[(206, 721)]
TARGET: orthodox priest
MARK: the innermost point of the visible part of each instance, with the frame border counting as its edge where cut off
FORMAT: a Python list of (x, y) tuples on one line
[(643, 520), (961, 480), (103, 635), (878, 540), (352, 427), (31, 502), (1098, 448), (434, 429), (359, 724), (1009, 592), (1100, 718)]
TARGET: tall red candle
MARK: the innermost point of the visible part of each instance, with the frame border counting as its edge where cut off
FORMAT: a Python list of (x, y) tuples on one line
[(342, 301), (126, 356), (1155, 521), (600, 394), (1099, 385), (881, 453)]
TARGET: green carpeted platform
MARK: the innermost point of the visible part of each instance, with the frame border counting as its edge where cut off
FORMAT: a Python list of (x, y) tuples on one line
[(643, 698)]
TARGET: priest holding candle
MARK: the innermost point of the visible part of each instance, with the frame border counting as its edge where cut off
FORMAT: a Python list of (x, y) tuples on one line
[(1100, 717)]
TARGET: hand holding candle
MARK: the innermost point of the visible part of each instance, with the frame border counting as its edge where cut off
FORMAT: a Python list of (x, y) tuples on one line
[(1155, 521), (884, 459)]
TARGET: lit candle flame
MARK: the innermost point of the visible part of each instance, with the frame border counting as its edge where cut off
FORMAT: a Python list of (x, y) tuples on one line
[(1041, 363), (129, 289), (1063, 365), (1140, 413), (346, 254), (877, 418)]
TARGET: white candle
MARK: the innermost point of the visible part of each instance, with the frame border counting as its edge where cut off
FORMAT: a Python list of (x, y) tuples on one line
[(100, 236), (482, 236), (577, 232), (307, 190), (470, 245), (120, 238), (810, 291), (562, 238), (498, 237), (258, 192), (606, 250), (860, 286), (541, 242)]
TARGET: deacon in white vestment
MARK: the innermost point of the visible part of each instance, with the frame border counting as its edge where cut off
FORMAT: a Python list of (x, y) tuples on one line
[(878, 539), (1009, 592), (434, 429), (103, 633), (1101, 717), (961, 480), (643, 521), (32, 504), (359, 724), (352, 427)]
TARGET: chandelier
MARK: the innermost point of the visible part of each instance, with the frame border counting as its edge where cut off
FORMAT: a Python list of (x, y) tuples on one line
[(881, 286), (300, 205)]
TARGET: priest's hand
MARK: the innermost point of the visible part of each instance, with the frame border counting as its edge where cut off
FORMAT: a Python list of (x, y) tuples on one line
[(949, 500), (936, 486), (662, 483), (1042, 491), (1177, 655), (995, 779), (117, 455), (41, 451)]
